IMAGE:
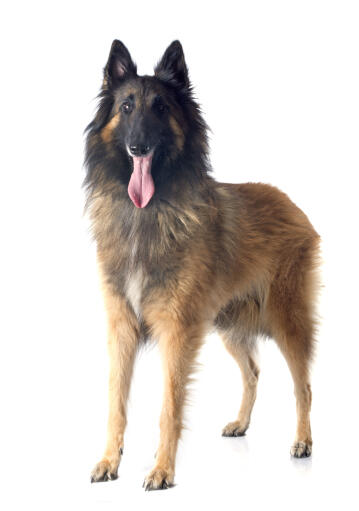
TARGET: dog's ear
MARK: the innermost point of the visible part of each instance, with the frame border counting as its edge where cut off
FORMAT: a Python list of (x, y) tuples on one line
[(119, 65), (172, 67)]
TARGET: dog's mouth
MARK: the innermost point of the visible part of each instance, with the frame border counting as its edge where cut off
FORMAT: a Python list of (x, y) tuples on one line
[(141, 186)]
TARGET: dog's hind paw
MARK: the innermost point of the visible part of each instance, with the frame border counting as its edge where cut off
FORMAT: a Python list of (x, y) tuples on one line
[(158, 479), (234, 429), (104, 471), (301, 450)]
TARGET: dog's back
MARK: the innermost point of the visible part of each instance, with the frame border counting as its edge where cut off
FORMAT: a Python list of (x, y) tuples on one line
[(179, 252)]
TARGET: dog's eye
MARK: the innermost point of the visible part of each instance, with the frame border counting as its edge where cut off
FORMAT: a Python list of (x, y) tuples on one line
[(126, 107), (159, 106)]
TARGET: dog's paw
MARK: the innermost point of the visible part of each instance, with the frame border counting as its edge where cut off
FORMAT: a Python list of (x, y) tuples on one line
[(104, 471), (301, 450), (158, 479), (234, 429)]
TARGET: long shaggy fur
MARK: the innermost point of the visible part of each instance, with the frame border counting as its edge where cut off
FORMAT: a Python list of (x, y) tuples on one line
[(241, 257)]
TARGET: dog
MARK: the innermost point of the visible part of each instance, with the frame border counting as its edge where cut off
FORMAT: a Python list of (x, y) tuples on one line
[(179, 253)]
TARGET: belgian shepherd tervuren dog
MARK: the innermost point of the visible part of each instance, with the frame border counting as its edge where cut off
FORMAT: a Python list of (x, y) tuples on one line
[(179, 252)]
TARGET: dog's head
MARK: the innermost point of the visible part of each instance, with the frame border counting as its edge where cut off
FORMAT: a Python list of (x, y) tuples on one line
[(148, 124)]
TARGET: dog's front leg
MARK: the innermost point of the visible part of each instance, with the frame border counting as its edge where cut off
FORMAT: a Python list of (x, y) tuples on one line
[(123, 338), (178, 348)]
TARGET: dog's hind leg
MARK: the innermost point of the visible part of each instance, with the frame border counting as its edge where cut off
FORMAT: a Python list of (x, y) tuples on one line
[(238, 326), (123, 338), (243, 352), (291, 316), (296, 348)]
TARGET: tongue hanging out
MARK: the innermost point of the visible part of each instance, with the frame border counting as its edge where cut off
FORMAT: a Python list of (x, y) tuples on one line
[(141, 186)]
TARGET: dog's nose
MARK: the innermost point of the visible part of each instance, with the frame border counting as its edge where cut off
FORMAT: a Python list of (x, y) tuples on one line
[(139, 149)]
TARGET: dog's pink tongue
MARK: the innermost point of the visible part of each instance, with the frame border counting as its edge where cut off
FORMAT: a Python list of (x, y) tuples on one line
[(141, 186)]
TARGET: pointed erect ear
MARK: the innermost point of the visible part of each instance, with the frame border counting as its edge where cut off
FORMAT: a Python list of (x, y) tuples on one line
[(119, 65), (172, 67)]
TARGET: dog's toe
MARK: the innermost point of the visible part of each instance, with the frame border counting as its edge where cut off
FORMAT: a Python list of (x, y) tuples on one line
[(103, 471), (158, 479), (301, 450), (234, 429)]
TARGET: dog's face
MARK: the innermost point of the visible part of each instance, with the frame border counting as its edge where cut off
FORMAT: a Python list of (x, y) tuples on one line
[(142, 119)]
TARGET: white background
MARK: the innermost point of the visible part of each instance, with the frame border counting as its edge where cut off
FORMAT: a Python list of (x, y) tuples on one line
[(279, 85)]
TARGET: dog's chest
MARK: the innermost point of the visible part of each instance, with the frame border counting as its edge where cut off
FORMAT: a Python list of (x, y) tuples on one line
[(133, 288), (134, 282)]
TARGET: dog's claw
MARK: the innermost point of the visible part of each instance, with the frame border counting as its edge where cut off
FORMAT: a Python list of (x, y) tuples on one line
[(158, 479), (234, 429), (103, 471), (301, 450)]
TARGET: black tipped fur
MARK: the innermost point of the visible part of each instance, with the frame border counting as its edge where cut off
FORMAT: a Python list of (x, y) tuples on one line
[(108, 164), (119, 65), (172, 68)]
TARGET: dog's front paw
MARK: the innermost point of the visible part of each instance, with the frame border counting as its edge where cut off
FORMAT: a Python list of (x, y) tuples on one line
[(104, 471), (301, 450), (158, 479), (234, 429)]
